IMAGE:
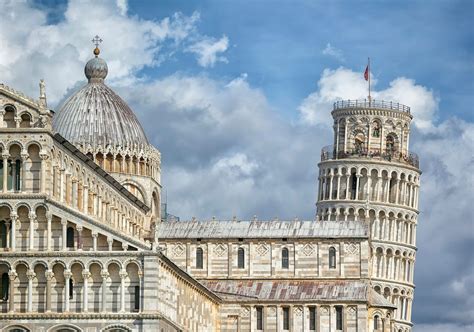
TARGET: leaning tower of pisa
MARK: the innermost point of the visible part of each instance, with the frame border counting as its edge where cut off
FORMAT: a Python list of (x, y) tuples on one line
[(369, 174)]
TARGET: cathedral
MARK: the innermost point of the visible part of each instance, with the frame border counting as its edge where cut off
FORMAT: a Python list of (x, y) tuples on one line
[(84, 246)]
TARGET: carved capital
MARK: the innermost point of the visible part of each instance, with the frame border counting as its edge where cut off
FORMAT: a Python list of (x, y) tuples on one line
[(12, 275), (104, 274), (123, 274), (86, 274), (67, 274), (49, 275), (30, 274)]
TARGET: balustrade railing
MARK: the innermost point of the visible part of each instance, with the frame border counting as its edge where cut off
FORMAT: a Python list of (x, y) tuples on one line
[(411, 158), (365, 103)]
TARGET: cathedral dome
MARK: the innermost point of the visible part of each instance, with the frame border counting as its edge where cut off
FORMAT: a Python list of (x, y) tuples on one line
[(95, 116)]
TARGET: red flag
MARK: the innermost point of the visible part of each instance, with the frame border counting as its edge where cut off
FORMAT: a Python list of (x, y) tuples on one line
[(366, 73)]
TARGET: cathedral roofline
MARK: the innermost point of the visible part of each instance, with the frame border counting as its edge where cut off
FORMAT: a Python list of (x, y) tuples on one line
[(215, 229)]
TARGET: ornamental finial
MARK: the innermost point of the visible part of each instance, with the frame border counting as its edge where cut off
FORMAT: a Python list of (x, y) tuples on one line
[(96, 41)]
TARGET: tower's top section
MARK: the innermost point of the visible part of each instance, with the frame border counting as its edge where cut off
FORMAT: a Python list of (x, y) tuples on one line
[(371, 104), (374, 129)]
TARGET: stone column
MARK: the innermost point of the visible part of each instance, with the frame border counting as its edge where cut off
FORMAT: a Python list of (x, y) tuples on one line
[(324, 179), (331, 178), (61, 185), (43, 157), (74, 191), (85, 198), (49, 218), (397, 182), (24, 157), (348, 189), (338, 191), (104, 274), (85, 290), (110, 241), (94, 241), (31, 231), (369, 186), (64, 234), (67, 277), (357, 186), (49, 278), (79, 237), (379, 186), (99, 208), (11, 291), (30, 275), (14, 219), (123, 275), (5, 157)]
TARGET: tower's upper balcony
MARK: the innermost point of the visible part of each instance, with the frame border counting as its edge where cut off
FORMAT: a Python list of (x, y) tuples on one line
[(371, 104), (329, 153)]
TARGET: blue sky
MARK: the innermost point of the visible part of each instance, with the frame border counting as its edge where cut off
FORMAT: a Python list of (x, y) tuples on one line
[(279, 43), (237, 97)]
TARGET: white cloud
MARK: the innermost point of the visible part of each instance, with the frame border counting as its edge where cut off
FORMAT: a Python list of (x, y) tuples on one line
[(235, 165), (123, 6), (344, 83), (334, 52), (225, 151), (33, 49), (443, 328), (208, 49)]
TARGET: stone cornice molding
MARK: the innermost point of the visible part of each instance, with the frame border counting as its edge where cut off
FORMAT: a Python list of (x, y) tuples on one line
[(78, 316), (366, 162), (371, 112)]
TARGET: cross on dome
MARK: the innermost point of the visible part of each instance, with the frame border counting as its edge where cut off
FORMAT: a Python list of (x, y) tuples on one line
[(96, 41)]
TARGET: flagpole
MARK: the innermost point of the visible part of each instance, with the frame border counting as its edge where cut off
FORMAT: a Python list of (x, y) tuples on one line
[(368, 65)]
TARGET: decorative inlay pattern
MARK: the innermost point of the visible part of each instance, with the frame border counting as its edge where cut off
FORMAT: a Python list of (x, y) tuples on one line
[(220, 250), (178, 250), (308, 250), (351, 248), (262, 249)]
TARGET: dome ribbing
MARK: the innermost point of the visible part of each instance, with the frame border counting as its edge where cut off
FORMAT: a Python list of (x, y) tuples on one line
[(96, 116)]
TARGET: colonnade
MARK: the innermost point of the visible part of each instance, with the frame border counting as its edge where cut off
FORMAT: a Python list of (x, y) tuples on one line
[(397, 266), (92, 201), (107, 292), (352, 183), (13, 167), (126, 163)]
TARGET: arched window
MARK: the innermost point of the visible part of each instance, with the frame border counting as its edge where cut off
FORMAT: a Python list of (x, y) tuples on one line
[(285, 259), (17, 329), (376, 322), (5, 287), (70, 237), (339, 318), (241, 258), (137, 298), (332, 258), (199, 258), (3, 234), (17, 175), (390, 144), (14, 175), (71, 289)]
